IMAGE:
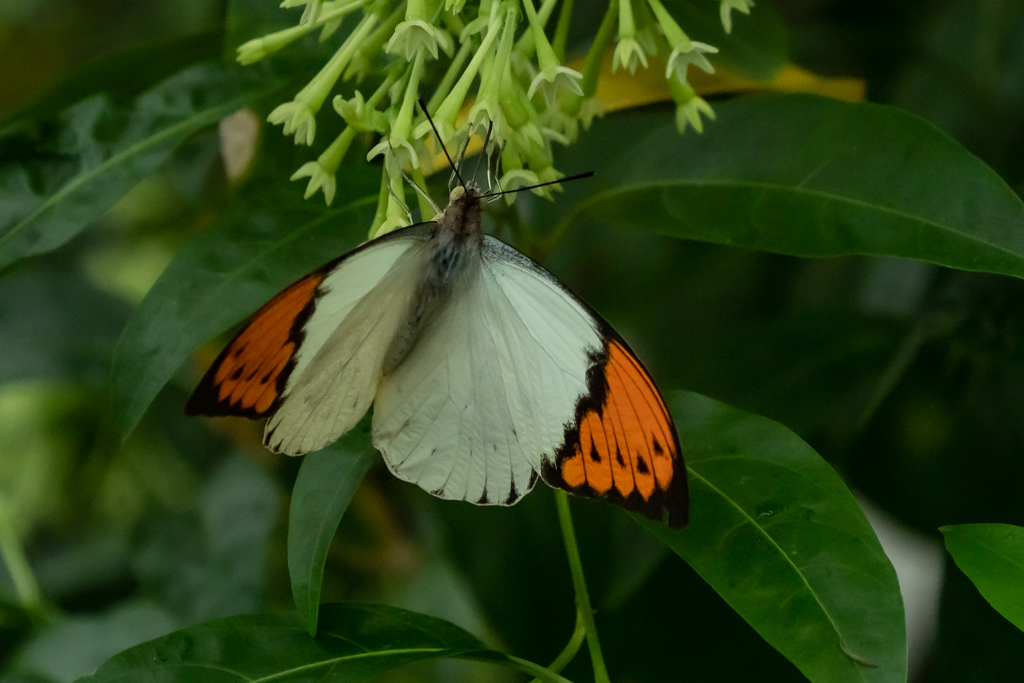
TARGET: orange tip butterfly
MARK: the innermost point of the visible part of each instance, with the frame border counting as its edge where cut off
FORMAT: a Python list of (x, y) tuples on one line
[(483, 369)]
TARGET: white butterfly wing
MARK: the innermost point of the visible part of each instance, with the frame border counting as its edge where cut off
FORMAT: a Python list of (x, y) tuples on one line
[(360, 305), (490, 387)]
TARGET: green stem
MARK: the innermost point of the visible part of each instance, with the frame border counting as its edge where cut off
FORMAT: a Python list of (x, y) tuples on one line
[(592, 65), (25, 584), (583, 609), (570, 650), (562, 30)]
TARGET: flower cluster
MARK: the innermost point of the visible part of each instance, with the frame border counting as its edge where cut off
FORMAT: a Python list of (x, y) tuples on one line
[(495, 65)]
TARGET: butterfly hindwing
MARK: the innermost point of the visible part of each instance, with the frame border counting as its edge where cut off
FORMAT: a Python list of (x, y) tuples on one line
[(509, 381), (622, 445), (619, 442)]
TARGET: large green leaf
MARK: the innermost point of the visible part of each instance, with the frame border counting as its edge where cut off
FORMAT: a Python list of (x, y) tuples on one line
[(325, 485), (805, 176), (356, 643), (778, 535), (265, 240), (992, 556), (59, 176)]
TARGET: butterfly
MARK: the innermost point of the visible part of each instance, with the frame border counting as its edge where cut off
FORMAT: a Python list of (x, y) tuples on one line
[(484, 371)]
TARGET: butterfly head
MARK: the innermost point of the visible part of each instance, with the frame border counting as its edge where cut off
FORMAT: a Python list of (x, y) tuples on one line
[(462, 215)]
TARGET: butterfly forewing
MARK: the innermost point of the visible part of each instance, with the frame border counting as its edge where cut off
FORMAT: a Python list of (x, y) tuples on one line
[(268, 357), (249, 376)]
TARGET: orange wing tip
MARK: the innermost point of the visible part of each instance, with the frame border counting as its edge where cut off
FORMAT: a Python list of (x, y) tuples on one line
[(250, 374), (622, 445), (671, 505)]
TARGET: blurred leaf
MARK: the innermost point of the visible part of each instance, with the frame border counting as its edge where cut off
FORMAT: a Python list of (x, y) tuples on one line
[(266, 239), (992, 556), (125, 74), (83, 565), (55, 325), (14, 619), (777, 534), (805, 176), (240, 508), (325, 485), (59, 177), (74, 646), (212, 564), (756, 47), (356, 643), (514, 560)]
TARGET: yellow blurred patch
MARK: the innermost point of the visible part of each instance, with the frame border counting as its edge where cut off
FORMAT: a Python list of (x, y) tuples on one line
[(622, 90)]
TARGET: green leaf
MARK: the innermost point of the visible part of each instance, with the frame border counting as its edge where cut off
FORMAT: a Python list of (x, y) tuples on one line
[(778, 535), (50, 191), (757, 46), (805, 176), (265, 240), (55, 325), (325, 485), (992, 556), (356, 643)]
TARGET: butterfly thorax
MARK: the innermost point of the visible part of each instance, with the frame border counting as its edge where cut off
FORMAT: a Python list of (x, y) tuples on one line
[(452, 256)]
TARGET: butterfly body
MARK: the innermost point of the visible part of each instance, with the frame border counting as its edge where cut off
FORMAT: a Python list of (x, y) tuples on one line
[(484, 372), (452, 255)]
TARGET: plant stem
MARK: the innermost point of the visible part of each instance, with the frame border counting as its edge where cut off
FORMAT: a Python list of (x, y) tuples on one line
[(562, 30), (583, 609), (25, 584)]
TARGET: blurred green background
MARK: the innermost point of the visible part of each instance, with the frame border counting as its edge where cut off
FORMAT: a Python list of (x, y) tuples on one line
[(906, 377)]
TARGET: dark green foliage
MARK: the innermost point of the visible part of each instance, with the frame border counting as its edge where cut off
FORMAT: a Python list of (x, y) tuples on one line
[(850, 271)]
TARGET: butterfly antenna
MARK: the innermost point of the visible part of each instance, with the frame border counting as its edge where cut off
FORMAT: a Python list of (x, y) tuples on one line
[(415, 186), (534, 187), (408, 213), (463, 146), (496, 181), (455, 170), (487, 140)]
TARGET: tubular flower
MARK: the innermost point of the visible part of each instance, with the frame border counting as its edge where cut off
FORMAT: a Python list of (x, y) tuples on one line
[(417, 31), (553, 76), (310, 14), (299, 115), (399, 139), (684, 51), (689, 107), (628, 52), (321, 172), (488, 104), (507, 76), (725, 11), (444, 117)]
